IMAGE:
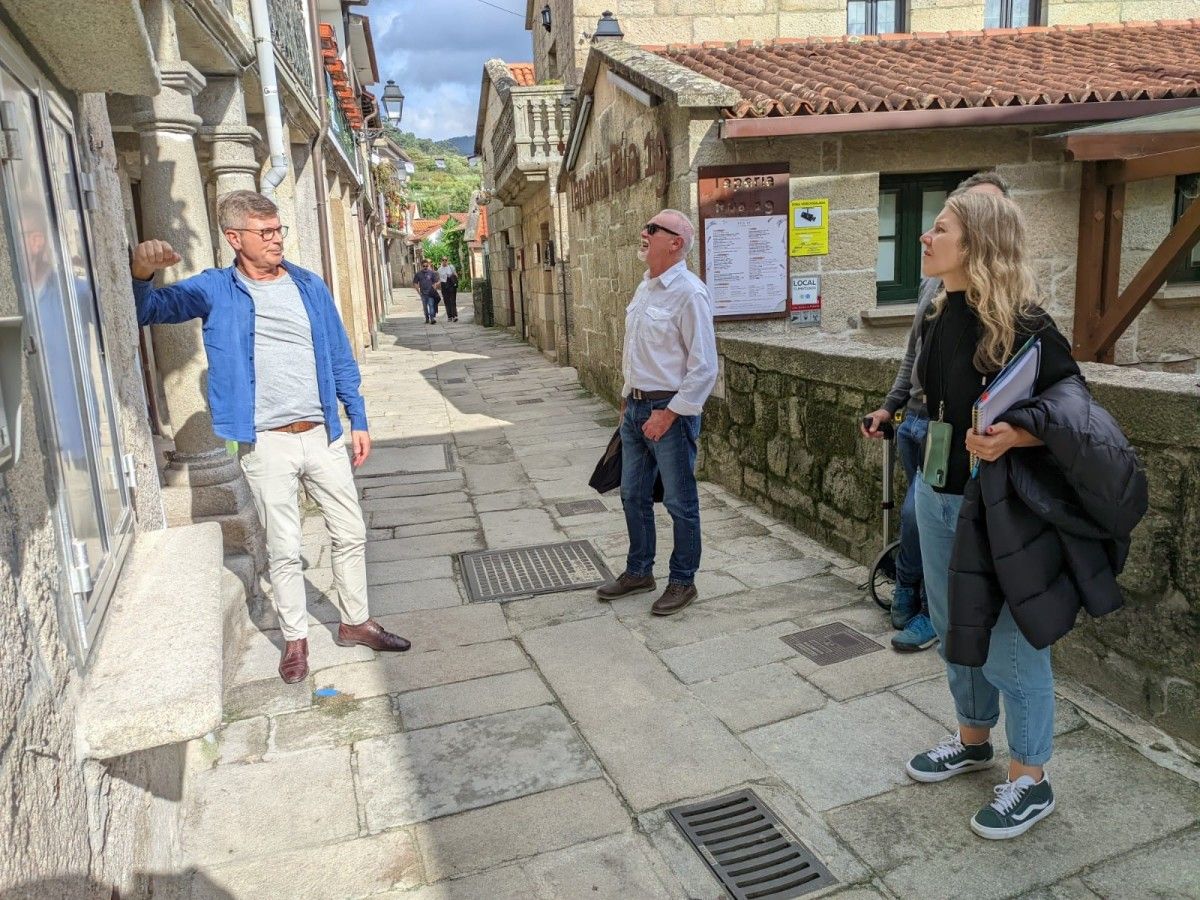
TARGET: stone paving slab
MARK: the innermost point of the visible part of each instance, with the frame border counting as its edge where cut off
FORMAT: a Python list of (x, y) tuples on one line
[(636, 716), (407, 460), (519, 528), (427, 545), (421, 775), (409, 570), (1167, 869), (453, 626), (720, 656), (396, 672), (1109, 800), (754, 697), (553, 609), (409, 596), (261, 653), (538, 823), (862, 746), (334, 721), (243, 811), (363, 866), (390, 513), (267, 697), (470, 699)]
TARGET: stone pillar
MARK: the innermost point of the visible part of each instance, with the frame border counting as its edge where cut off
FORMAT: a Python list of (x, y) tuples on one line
[(203, 481), (232, 144)]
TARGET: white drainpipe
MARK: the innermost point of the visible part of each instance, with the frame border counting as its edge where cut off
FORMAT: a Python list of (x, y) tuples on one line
[(260, 18)]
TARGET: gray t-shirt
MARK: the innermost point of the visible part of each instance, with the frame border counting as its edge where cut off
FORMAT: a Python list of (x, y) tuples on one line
[(285, 366)]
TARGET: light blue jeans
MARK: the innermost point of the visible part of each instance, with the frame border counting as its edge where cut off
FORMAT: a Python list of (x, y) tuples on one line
[(1014, 667)]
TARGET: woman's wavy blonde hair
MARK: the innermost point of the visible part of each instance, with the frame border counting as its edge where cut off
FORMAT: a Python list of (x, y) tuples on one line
[(1000, 284)]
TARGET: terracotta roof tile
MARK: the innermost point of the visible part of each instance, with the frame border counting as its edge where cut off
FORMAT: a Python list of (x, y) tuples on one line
[(422, 228), (1002, 67), (522, 73)]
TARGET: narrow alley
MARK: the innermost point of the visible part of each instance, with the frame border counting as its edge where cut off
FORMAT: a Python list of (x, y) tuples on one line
[(533, 747)]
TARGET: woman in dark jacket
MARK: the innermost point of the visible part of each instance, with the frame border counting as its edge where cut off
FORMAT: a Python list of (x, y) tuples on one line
[(986, 312)]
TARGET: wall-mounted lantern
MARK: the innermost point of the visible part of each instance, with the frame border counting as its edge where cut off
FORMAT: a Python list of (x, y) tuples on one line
[(547, 22)]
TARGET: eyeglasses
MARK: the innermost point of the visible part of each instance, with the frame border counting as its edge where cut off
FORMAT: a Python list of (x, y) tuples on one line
[(267, 234), (654, 228)]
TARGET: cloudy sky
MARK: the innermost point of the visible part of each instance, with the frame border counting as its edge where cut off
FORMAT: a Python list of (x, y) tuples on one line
[(435, 50)]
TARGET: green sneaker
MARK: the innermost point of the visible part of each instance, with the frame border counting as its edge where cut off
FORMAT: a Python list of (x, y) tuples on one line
[(1019, 805), (949, 758)]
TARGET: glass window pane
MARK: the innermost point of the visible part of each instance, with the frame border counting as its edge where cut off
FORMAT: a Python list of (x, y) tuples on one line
[(888, 204), (1020, 13), (932, 202), (885, 262), (45, 295), (885, 16), (856, 17), (992, 14), (98, 395)]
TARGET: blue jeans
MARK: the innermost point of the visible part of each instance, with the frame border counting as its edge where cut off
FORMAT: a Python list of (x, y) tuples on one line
[(910, 441), (1013, 668), (430, 302), (673, 457)]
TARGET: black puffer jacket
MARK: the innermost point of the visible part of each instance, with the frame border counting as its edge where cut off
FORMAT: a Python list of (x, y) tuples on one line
[(1045, 528)]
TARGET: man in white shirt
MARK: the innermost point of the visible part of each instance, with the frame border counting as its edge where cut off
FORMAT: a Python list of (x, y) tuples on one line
[(670, 366)]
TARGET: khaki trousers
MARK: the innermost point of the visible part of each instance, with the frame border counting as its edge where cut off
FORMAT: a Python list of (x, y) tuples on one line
[(275, 467)]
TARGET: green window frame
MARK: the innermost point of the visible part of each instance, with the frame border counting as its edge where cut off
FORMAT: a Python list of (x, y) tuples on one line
[(908, 204), (1187, 187)]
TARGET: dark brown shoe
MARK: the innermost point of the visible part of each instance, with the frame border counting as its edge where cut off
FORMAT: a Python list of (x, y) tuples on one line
[(370, 634), (674, 599), (293, 666), (624, 585)]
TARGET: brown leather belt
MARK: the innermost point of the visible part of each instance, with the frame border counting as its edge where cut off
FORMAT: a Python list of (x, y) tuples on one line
[(652, 395), (297, 427)]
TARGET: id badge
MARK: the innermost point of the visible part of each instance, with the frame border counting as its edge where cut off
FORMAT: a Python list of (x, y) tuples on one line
[(937, 453)]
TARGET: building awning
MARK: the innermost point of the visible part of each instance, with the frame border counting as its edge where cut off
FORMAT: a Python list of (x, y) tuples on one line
[(105, 48), (995, 77), (1136, 137)]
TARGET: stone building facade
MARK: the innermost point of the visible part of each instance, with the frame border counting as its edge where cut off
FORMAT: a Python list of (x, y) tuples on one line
[(131, 551), (780, 429)]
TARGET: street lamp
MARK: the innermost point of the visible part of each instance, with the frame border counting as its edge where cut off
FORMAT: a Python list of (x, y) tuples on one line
[(393, 104), (546, 21)]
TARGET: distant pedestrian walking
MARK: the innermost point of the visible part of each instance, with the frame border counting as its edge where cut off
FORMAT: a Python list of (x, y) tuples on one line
[(275, 378), (449, 278), (670, 367), (428, 285)]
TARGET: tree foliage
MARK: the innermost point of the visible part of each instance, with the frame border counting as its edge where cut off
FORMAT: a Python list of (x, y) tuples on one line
[(438, 190)]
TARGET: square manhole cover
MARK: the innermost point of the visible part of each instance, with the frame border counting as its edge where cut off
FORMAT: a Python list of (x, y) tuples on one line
[(543, 569), (580, 507), (833, 643), (749, 850)]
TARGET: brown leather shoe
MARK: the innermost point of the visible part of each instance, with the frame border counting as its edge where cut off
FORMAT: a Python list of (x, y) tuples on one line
[(625, 584), (370, 634), (293, 665), (674, 599)]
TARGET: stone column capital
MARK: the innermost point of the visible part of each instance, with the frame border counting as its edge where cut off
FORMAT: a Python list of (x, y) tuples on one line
[(234, 134), (182, 76)]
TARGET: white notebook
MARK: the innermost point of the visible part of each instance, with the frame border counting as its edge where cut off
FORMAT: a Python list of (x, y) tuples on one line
[(1014, 384)]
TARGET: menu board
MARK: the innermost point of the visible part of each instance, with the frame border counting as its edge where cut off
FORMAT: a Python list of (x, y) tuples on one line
[(745, 264)]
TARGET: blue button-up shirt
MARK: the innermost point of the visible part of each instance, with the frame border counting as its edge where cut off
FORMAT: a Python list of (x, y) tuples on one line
[(223, 303)]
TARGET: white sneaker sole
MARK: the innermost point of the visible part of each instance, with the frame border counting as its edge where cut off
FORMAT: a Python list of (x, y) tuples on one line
[(933, 777), (1003, 834)]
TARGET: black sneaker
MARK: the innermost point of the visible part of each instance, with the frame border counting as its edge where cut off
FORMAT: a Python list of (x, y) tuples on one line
[(949, 758), (1019, 805)]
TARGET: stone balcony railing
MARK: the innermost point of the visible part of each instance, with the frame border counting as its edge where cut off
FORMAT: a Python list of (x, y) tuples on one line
[(529, 138)]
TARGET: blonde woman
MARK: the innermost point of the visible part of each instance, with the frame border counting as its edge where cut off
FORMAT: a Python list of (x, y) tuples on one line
[(987, 311)]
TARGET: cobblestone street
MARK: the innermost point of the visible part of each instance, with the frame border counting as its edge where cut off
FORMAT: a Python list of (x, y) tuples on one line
[(531, 748)]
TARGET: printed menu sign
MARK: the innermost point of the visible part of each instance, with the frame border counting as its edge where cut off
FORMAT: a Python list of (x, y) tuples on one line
[(745, 264)]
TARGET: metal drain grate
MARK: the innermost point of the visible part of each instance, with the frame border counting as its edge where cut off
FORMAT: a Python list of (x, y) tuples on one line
[(833, 643), (748, 849), (580, 507), (497, 574)]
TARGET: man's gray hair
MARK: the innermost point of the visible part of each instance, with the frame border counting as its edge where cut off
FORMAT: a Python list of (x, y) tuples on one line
[(687, 231), (978, 179), (234, 208)]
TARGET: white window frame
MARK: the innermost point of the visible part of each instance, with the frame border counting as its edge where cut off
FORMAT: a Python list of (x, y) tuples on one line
[(83, 609)]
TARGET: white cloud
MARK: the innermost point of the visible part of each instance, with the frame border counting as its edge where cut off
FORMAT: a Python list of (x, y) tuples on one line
[(435, 51)]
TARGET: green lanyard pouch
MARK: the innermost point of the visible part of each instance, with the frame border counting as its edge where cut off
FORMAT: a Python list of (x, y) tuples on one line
[(937, 453)]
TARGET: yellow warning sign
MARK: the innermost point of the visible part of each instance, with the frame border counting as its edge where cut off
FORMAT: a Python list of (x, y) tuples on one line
[(808, 231)]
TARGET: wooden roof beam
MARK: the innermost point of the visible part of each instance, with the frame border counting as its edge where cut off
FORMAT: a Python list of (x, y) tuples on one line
[(1185, 161)]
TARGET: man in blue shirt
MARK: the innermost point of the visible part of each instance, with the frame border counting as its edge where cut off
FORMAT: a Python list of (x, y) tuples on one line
[(278, 363), (426, 282)]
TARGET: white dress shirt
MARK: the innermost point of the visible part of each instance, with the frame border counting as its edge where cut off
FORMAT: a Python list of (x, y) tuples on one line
[(669, 340)]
